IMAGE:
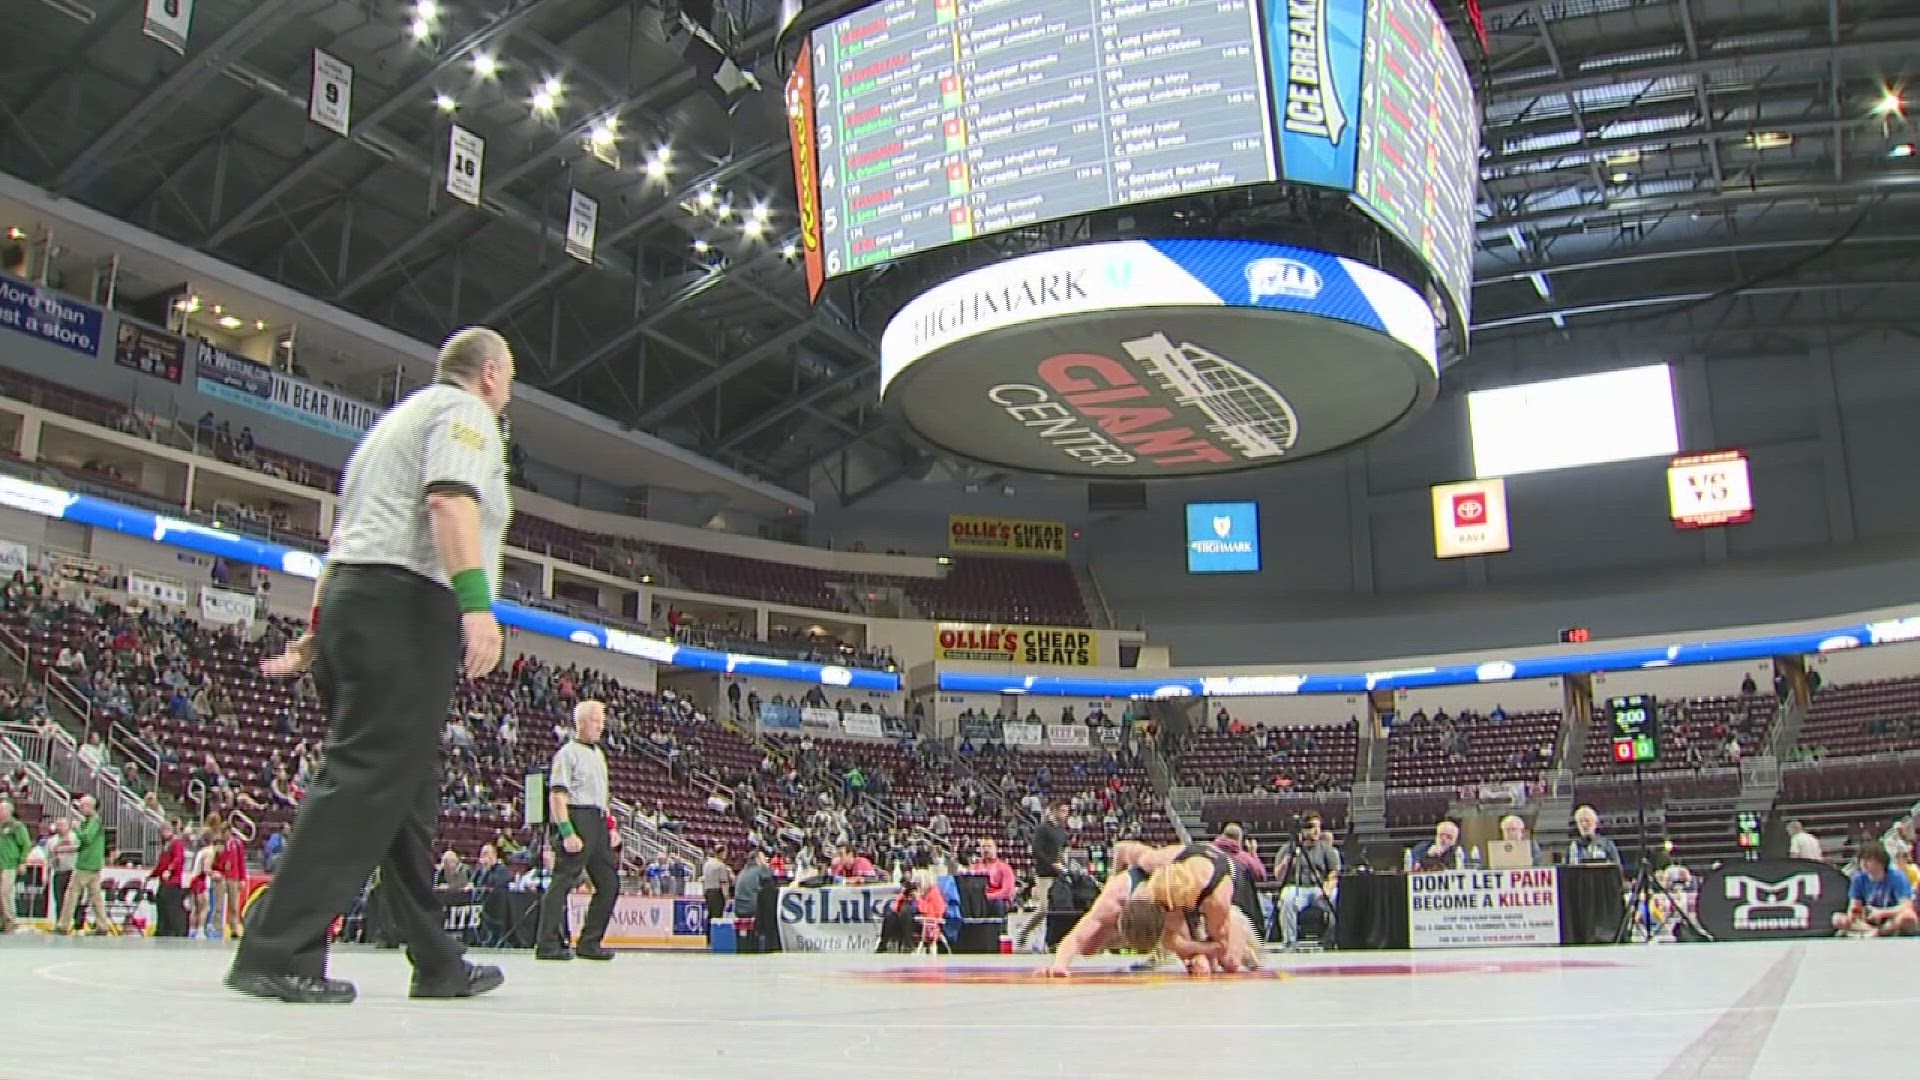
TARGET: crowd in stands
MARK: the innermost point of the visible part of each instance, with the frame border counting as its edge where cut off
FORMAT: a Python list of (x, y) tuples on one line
[(182, 707)]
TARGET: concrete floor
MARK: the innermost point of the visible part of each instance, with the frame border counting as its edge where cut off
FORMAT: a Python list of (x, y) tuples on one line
[(111, 1008)]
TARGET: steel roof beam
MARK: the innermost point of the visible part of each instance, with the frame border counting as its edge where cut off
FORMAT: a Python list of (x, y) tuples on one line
[(560, 274), (1883, 39), (1639, 302), (1638, 257), (805, 401), (692, 392), (1894, 186), (1676, 139), (672, 304), (157, 104), (407, 95), (632, 103)]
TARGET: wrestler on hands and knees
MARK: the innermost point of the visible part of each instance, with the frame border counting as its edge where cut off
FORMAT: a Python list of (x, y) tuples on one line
[(1162, 900)]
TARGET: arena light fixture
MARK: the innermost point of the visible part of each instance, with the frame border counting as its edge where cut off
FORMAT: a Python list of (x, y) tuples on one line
[(701, 245), (760, 212), (753, 227), (228, 322), (1890, 103), (445, 103), (542, 101), (708, 198), (484, 65), (1902, 150), (605, 132), (789, 250), (421, 29)]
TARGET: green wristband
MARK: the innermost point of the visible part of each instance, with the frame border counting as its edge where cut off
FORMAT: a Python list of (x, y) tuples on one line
[(470, 588), (566, 830)]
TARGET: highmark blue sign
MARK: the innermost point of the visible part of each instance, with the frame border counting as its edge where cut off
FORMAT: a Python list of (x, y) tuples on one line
[(1223, 538), (80, 509)]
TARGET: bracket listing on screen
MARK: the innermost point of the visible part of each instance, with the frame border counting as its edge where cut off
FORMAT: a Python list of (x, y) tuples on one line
[(941, 120), (1223, 538)]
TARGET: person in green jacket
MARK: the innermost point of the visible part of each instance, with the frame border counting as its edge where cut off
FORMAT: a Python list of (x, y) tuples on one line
[(15, 842), (87, 862)]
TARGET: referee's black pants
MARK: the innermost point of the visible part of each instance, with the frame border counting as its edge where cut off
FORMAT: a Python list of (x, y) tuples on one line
[(388, 660), (595, 858)]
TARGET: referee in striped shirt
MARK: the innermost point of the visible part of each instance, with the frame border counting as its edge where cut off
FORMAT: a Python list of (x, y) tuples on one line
[(403, 609), (588, 841)]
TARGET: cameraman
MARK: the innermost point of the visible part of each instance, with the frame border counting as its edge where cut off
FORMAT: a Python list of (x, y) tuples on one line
[(1307, 869)]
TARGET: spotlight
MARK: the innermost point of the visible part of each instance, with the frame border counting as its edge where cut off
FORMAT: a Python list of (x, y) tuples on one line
[(707, 198), (485, 66), (422, 30), (789, 250), (542, 101), (1890, 103), (701, 246), (427, 10), (753, 227), (445, 103), (760, 213)]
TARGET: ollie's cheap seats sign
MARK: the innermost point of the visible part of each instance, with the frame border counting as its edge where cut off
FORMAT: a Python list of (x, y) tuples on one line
[(1007, 536), (1055, 646)]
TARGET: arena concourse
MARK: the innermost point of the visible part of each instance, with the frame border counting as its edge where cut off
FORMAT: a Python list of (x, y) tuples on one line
[(1445, 463)]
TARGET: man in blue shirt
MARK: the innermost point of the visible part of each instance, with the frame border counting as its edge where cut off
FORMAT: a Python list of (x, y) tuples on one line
[(1880, 900)]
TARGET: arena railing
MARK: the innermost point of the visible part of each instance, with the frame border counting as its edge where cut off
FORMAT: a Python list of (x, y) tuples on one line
[(23, 745), (163, 528)]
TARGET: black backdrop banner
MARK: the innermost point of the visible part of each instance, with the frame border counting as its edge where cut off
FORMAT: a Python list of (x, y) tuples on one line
[(1772, 898)]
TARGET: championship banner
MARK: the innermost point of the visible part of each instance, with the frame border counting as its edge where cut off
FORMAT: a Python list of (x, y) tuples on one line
[(158, 590), (647, 922), (42, 313), (1067, 737), (1463, 909), (1007, 536), (839, 918), (1014, 733), (226, 607), (1052, 646), (14, 558), (779, 717), (149, 351), (1771, 898)]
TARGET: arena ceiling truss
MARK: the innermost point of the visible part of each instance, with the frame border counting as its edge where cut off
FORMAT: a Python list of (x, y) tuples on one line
[(1707, 174)]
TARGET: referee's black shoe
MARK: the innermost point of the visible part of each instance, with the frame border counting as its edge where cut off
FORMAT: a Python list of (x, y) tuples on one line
[(593, 952), (470, 980), (298, 989), (557, 952)]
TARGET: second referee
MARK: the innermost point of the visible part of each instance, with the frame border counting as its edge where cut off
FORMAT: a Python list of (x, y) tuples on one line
[(577, 801)]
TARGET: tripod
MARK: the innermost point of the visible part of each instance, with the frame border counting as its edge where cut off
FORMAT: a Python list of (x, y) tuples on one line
[(1645, 883)]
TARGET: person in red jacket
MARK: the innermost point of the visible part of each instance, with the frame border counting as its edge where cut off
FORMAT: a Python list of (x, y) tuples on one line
[(229, 875), (170, 873)]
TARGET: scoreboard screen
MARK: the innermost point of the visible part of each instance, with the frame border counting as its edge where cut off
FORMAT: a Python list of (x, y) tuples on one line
[(941, 120), (1634, 721), (921, 123)]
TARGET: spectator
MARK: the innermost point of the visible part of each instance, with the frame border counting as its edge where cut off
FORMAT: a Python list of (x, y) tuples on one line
[(716, 882), (1802, 844), (15, 842), (754, 881), (1443, 852), (83, 886), (1588, 846), (1879, 903), (1514, 830), (1232, 841), (1001, 884), (1308, 869), (452, 873), (489, 872), (13, 262)]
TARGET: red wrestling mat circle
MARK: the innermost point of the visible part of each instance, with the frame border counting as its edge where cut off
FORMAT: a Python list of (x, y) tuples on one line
[(1004, 976)]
